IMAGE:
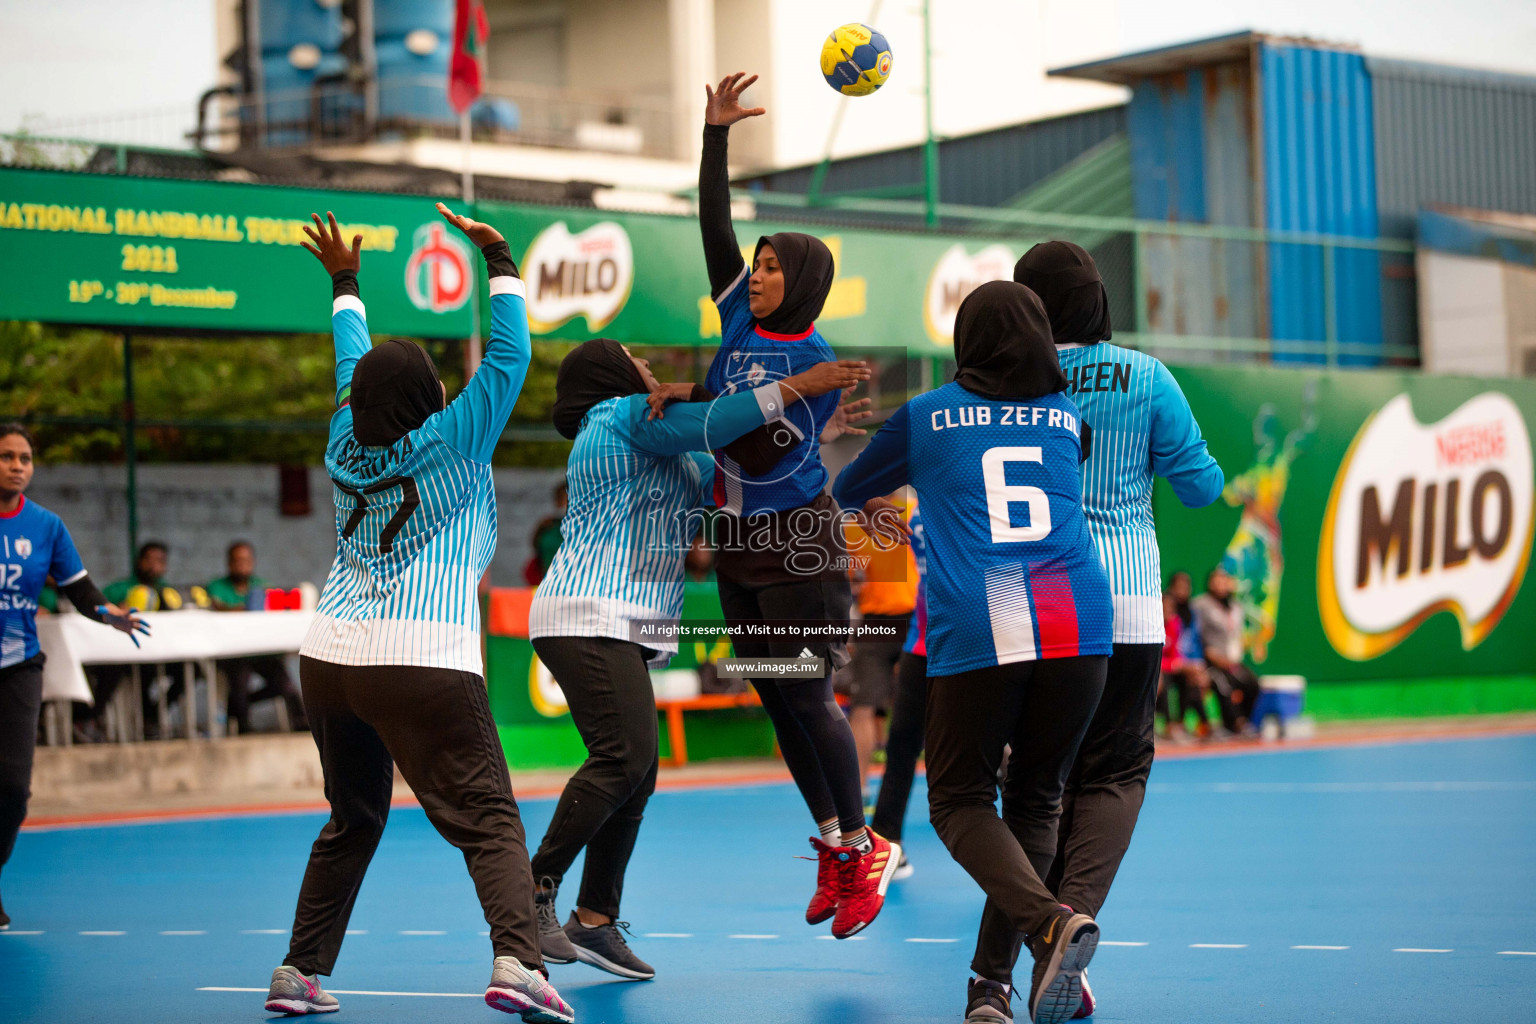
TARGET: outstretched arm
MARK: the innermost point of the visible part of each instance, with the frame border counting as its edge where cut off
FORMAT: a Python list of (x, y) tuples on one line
[(475, 420), (348, 322), (1178, 451), (722, 255)]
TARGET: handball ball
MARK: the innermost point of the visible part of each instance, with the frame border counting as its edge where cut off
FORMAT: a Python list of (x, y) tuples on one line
[(855, 60)]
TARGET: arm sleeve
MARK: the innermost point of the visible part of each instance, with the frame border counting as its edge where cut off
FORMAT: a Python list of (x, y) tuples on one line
[(1178, 451), (349, 326), (879, 469), (722, 256), (696, 427), (85, 596), (475, 420)]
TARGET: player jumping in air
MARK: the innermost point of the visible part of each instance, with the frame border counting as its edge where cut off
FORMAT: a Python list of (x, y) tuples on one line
[(391, 668)]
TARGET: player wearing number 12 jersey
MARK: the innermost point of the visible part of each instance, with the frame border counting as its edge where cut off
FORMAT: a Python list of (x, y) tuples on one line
[(1019, 618), (391, 668)]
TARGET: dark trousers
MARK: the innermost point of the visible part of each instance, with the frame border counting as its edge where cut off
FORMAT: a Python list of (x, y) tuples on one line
[(273, 671), (436, 724), (814, 736), (1236, 689), (903, 744), (1101, 802), (1041, 709), (613, 705), (21, 699)]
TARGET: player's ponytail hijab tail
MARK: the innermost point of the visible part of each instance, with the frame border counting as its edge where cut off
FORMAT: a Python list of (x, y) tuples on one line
[(1067, 281), (395, 388), (1003, 345), (807, 265), (592, 372)]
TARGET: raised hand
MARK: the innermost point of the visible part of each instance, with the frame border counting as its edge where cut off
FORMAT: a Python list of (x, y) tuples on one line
[(665, 395), (329, 248), (842, 422), (823, 378), (480, 233), (881, 519), (724, 104)]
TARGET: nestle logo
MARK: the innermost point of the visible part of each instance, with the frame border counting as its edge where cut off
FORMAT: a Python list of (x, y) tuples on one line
[(1474, 443)]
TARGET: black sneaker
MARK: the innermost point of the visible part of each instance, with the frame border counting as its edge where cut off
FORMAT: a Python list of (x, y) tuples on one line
[(1061, 951), (986, 1002), (604, 948), (554, 945)]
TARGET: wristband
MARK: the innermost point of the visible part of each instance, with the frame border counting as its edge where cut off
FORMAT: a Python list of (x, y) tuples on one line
[(344, 282), (498, 260)]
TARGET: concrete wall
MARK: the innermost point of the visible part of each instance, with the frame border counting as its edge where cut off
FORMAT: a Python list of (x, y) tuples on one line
[(199, 509)]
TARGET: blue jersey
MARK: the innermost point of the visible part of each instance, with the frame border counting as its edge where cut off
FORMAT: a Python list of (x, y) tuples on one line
[(33, 546), (634, 487), (750, 357), (416, 521), (1142, 426), (1012, 574)]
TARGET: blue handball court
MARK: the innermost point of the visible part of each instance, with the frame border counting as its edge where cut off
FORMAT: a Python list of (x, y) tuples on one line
[(1379, 882)]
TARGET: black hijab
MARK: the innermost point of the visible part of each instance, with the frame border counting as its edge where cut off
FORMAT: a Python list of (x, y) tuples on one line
[(592, 372), (808, 270), (1003, 344), (395, 388), (1068, 282)]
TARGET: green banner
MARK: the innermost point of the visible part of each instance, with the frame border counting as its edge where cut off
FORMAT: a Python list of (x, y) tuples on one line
[(152, 253), (1379, 524)]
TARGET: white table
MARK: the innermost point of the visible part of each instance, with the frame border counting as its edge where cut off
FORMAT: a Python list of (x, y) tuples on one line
[(190, 636)]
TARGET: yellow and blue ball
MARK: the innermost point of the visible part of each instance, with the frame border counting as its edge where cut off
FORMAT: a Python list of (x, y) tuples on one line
[(855, 60)]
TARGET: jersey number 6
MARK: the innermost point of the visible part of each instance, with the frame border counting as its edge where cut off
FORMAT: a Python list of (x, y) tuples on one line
[(410, 497), (1001, 494)]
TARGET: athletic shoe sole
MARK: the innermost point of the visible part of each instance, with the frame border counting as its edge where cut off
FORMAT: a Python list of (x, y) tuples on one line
[(904, 871), (602, 963), (556, 959), (509, 1000), (1062, 995), (892, 863), (297, 1007)]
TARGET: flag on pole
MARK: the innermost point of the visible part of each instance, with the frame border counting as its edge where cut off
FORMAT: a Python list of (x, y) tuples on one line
[(465, 72)]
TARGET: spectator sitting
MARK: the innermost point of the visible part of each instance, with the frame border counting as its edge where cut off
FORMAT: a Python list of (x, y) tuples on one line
[(546, 539), (1183, 670), (146, 591), (242, 590), (1220, 622)]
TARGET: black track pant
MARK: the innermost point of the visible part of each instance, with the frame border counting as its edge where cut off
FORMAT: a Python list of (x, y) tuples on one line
[(1101, 803), (614, 707), (814, 736), (1042, 709), (436, 723), (21, 699), (903, 744)]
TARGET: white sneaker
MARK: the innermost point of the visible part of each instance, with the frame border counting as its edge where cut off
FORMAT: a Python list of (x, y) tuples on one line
[(516, 989), (294, 993), (904, 869)]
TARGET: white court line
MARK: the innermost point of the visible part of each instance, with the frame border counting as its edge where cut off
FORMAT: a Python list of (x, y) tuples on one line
[(667, 935), (1319, 947), (1502, 952), (357, 992), (185, 933), (10, 932), (751, 936), (851, 938), (410, 931), (1106, 942), (1218, 945), (933, 940), (265, 931), (357, 931), (103, 933), (1407, 950), (1341, 787)]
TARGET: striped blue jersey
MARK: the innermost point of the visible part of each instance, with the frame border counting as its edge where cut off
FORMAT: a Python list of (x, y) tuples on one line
[(416, 521), (1142, 425), (636, 490), (748, 358), (34, 545), (1011, 572)]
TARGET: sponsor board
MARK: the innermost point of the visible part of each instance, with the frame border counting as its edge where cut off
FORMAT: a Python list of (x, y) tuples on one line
[(588, 274), (955, 276)]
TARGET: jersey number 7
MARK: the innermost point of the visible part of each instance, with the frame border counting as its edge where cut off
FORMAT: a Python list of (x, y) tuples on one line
[(410, 497), (1001, 494)]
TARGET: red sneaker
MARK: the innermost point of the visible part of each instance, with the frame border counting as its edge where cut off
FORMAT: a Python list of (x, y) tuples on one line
[(862, 882), (1086, 1009), (824, 903)]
